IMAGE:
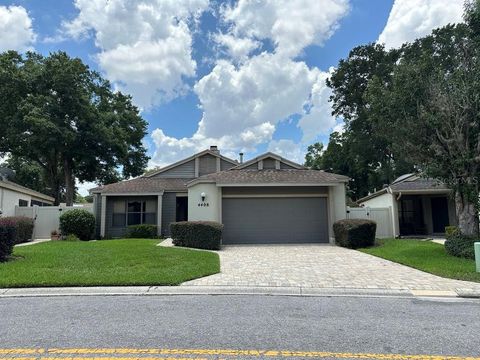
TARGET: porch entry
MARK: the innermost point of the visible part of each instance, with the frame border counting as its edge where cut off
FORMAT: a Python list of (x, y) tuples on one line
[(439, 214), (422, 214)]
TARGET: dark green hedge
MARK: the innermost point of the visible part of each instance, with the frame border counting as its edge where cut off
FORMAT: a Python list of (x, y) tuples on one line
[(143, 231), (78, 222), (460, 245), (7, 240), (197, 234), (355, 233), (23, 226)]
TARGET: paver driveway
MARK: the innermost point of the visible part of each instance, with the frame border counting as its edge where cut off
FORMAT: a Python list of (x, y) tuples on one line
[(320, 266)]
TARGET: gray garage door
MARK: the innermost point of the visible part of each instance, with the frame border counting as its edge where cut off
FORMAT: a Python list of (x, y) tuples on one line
[(274, 220)]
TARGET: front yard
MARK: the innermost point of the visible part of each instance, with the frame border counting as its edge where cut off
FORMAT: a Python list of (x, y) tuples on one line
[(425, 256), (104, 263)]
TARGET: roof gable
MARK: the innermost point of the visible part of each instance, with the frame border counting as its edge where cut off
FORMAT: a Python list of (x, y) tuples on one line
[(267, 157), (190, 158)]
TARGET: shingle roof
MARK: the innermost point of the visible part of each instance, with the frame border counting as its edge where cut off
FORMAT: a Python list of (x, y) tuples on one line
[(143, 185), (270, 176), (419, 184), (410, 183), (25, 190)]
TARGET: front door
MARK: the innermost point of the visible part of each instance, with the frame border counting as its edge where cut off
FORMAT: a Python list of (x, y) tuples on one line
[(439, 214), (182, 208)]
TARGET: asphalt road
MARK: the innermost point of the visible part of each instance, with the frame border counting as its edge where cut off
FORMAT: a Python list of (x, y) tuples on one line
[(322, 327)]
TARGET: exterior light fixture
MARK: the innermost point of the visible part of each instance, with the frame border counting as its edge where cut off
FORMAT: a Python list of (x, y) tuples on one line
[(203, 195)]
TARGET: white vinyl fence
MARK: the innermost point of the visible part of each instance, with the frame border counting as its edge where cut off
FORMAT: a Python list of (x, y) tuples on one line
[(46, 218), (382, 216)]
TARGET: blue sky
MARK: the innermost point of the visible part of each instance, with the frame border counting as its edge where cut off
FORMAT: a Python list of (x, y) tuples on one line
[(244, 75)]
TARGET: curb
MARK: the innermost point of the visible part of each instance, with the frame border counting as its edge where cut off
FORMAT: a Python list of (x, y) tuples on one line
[(232, 290)]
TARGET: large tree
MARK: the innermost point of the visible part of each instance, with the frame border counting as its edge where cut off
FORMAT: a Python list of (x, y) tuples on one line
[(431, 110), (65, 117), (362, 152), (28, 173)]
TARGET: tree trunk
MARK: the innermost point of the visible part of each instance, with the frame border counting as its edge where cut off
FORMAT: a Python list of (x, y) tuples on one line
[(467, 215), (54, 183), (69, 182)]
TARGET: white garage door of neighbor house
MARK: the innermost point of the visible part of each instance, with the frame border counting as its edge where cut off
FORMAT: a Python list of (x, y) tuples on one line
[(275, 220)]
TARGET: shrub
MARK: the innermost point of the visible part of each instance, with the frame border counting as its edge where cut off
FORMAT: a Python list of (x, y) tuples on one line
[(355, 233), (450, 230), (197, 234), (78, 222), (23, 226), (7, 240), (71, 237), (143, 231), (461, 245)]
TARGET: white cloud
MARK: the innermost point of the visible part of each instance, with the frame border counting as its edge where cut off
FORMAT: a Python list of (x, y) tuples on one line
[(242, 106), (83, 187), (245, 97), (319, 119), (16, 31), (236, 48), (288, 149), (412, 19), (266, 88), (290, 24), (145, 46)]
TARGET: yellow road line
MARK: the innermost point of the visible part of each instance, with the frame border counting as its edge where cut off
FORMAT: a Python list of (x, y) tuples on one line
[(119, 358), (47, 354), (21, 351)]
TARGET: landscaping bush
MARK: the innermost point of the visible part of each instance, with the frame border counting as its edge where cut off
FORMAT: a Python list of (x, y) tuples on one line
[(143, 231), (71, 237), (78, 222), (450, 230), (355, 233), (7, 240), (23, 226), (461, 245), (197, 234)]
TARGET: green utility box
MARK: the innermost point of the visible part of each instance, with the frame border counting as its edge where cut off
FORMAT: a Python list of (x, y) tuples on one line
[(477, 255)]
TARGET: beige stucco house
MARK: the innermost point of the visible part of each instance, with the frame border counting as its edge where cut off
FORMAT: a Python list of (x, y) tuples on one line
[(268, 199), (419, 206)]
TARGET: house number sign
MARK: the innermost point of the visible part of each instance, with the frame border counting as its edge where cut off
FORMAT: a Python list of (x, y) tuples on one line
[(203, 204)]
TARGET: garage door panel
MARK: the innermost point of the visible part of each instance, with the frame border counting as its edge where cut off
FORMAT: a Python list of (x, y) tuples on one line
[(274, 220)]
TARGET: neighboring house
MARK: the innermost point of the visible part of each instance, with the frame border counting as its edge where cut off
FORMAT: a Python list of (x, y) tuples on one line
[(419, 206), (268, 199), (12, 194)]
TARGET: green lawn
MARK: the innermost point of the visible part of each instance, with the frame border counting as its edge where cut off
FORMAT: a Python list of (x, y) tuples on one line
[(108, 262), (426, 256)]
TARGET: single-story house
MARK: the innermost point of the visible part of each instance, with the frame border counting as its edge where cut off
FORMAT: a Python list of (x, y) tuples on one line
[(419, 205), (268, 199), (12, 194)]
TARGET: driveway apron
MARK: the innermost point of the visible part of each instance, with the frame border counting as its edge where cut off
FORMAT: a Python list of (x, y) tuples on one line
[(320, 266)]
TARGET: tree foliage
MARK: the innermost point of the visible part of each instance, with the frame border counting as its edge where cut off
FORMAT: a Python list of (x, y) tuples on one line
[(413, 108), (362, 151), (66, 119)]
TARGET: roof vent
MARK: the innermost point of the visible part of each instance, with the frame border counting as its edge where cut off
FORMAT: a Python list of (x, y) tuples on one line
[(214, 148), (241, 158)]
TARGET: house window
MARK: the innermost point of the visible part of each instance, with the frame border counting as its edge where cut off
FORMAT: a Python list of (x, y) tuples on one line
[(133, 212), (22, 203), (119, 213)]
